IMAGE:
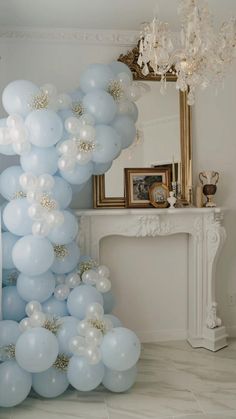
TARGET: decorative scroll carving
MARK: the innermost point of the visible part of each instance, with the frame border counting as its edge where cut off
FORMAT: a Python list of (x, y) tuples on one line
[(151, 226), (212, 319)]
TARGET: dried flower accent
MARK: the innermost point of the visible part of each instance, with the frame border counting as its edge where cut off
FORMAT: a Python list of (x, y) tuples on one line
[(85, 146), (98, 324), (85, 266), (116, 90), (12, 277), (53, 325), (7, 352), (61, 363), (60, 251), (77, 109), (40, 101), (19, 195), (48, 203)]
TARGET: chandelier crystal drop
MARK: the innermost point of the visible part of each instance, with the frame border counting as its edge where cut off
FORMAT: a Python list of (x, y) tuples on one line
[(198, 55)]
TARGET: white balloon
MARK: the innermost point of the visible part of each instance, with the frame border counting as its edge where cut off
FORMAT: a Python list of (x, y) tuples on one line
[(33, 195), (46, 182), (124, 79), (72, 125), (5, 137), (40, 228), (77, 345), (66, 163), (82, 327), (57, 217), (87, 132), (24, 324), (84, 158), (68, 147), (93, 355), (108, 324), (64, 101), (28, 181), (21, 148), (93, 336), (103, 271), (35, 211), (14, 120), (73, 280), (31, 307), (95, 311), (87, 119), (90, 277), (19, 134), (60, 279), (61, 292), (103, 285), (37, 319), (49, 89)]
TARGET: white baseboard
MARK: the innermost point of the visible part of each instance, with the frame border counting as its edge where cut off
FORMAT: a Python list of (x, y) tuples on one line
[(162, 335), (231, 330)]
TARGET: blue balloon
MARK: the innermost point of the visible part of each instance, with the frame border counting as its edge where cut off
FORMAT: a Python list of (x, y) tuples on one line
[(45, 127), (15, 384), (65, 232), (36, 349), (126, 129), (16, 218), (77, 96), (8, 242), (115, 321), (108, 144), (13, 307), (6, 149), (100, 105), (108, 302), (9, 332), (61, 192), (18, 96), (119, 381), (120, 349), (55, 307), (40, 161), (2, 207), (82, 375), (9, 182), (39, 288), (9, 276), (96, 76), (101, 168), (67, 330), (80, 174), (79, 299), (32, 255), (68, 262), (119, 67), (50, 383)]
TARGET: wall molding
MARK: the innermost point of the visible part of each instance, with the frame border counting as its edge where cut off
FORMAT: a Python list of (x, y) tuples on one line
[(164, 335), (100, 37)]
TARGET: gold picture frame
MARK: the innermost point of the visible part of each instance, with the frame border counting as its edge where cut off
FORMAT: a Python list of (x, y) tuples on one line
[(158, 194)]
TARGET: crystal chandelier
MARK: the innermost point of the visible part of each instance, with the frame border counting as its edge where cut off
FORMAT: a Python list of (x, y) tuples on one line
[(197, 54)]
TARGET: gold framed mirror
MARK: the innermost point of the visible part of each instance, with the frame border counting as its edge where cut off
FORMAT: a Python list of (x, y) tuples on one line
[(180, 121)]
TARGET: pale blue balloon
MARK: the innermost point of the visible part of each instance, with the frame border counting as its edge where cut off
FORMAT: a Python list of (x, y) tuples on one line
[(33, 255), (9, 182), (100, 105), (80, 174), (50, 383), (2, 207), (65, 232), (40, 160), (61, 192), (9, 332), (13, 307), (119, 67), (8, 243), (79, 299), (125, 127), (39, 287), (96, 76), (17, 97), (101, 168), (9, 276), (66, 264), (82, 375), (7, 150), (120, 349), (36, 349), (77, 95), (115, 321), (16, 218), (119, 381), (15, 384), (55, 307), (109, 302), (108, 144), (67, 330), (45, 127)]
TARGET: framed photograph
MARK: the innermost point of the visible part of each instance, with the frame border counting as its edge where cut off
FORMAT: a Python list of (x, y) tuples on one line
[(138, 182), (158, 194)]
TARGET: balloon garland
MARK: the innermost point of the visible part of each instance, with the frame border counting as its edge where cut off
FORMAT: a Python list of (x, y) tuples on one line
[(57, 328)]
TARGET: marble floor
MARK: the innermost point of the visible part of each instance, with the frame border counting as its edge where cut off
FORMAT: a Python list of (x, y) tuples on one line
[(174, 381)]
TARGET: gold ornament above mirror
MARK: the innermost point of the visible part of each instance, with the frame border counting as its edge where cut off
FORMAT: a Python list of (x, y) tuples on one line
[(166, 127)]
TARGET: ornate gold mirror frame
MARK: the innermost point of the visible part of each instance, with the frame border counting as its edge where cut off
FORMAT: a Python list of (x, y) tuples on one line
[(99, 192)]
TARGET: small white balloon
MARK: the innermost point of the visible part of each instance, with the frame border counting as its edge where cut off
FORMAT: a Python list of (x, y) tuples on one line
[(82, 327), (61, 292), (84, 158), (90, 277), (21, 148), (103, 285), (60, 279), (49, 89), (103, 271), (124, 79), (64, 101), (95, 311), (87, 132), (93, 355), (5, 137), (28, 181), (58, 218), (72, 125), (108, 324), (46, 182), (73, 280), (68, 147), (19, 134), (87, 119), (35, 211), (34, 195), (66, 163), (14, 121), (77, 345), (37, 319), (40, 229), (31, 307), (93, 337), (25, 324)]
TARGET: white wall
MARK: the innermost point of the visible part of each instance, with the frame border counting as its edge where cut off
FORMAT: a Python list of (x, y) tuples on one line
[(149, 275)]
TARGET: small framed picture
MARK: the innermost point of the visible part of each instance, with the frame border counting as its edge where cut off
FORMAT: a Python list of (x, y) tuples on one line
[(158, 194), (138, 182)]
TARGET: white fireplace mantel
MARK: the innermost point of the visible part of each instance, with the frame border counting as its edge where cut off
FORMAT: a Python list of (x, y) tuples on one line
[(206, 236)]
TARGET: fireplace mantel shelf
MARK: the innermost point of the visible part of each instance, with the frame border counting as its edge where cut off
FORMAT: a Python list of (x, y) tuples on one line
[(206, 236)]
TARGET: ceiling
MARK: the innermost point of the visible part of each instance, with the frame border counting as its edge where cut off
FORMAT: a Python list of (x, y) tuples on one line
[(97, 14)]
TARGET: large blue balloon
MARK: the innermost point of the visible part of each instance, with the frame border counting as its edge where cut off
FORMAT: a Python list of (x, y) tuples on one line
[(61, 192), (16, 218), (79, 299), (9, 182), (67, 330), (115, 321), (65, 232), (82, 375), (55, 307), (9, 332), (45, 127), (8, 242), (38, 288), (80, 174), (66, 264), (119, 67), (101, 168), (108, 144), (40, 161), (50, 383), (96, 76), (15, 384), (120, 349), (108, 302), (101, 105), (13, 307), (125, 127), (36, 349), (6, 149), (17, 97), (119, 381), (32, 255)]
